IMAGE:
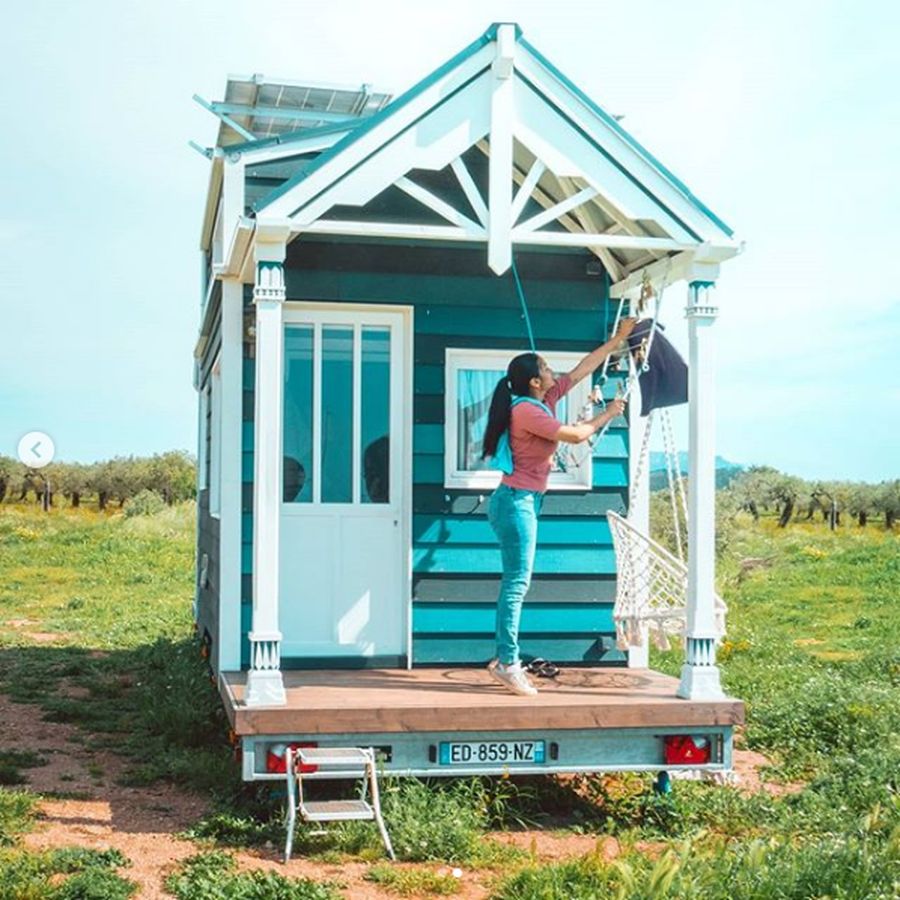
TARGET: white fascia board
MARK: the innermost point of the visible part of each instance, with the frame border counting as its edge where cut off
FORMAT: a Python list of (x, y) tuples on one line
[(379, 134), (701, 263), (311, 144), (617, 147), (212, 201), (398, 230), (233, 263), (431, 143), (611, 241)]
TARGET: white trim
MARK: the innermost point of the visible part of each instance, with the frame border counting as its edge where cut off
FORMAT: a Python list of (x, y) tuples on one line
[(441, 207), (500, 161), (578, 478), (701, 263), (613, 241), (215, 434), (229, 561), (699, 674), (561, 208), (205, 435), (473, 195), (298, 312), (386, 229), (526, 187)]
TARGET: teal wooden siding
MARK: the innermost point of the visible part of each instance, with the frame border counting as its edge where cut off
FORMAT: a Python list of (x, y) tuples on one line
[(208, 525), (456, 562)]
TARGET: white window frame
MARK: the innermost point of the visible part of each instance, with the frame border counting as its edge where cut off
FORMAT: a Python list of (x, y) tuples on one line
[(577, 478), (203, 408), (215, 443)]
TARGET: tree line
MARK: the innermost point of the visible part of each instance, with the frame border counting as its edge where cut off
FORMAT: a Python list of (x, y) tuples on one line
[(172, 475), (762, 489)]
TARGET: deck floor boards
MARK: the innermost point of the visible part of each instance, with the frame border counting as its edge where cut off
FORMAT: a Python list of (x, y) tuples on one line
[(464, 699)]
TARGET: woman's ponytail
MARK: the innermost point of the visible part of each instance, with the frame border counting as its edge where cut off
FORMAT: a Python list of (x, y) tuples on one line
[(516, 381), (498, 417)]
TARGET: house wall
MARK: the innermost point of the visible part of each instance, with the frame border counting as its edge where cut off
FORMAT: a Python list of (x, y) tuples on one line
[(208, 525), (459, 303)]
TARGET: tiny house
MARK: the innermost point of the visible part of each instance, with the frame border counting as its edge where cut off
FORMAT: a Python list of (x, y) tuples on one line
[(370, 266)]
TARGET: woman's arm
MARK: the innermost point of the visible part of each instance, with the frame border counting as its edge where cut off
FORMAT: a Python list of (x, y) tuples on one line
[(595, 358), (576, 434)]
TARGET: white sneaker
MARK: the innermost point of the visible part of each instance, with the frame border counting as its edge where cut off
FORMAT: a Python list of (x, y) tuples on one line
[(513, 678)]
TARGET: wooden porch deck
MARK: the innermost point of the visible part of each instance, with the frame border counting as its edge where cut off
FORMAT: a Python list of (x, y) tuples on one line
[(455, 699)]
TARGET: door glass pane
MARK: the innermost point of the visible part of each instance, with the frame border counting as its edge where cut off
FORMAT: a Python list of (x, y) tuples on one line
[(337, 414), (298, 414), (375, 416)]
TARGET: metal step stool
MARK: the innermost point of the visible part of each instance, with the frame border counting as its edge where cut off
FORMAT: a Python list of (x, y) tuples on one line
[(333, 763)]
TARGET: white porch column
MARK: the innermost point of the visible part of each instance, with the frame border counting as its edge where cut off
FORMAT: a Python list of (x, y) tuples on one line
[(699, 674), (500, 162), (265, 686)]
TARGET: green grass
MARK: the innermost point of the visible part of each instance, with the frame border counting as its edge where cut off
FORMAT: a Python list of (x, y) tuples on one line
[(69, 873), (413, 881), (813, 649), (214, 876)]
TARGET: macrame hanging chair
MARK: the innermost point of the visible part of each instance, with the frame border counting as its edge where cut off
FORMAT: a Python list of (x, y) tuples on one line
[(651, 584)]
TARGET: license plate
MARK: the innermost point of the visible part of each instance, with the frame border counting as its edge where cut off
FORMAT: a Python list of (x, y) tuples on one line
[(487, 752)]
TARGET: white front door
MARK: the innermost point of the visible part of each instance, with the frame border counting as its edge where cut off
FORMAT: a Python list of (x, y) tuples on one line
[(344, 520)]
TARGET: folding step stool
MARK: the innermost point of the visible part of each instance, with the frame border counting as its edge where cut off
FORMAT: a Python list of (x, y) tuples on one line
[(333, 763)]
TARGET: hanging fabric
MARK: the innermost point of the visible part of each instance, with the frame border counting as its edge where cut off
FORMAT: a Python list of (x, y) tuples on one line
[(663, 374)]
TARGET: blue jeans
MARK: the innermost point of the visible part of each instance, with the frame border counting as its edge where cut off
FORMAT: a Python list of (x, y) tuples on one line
[(513, 514)]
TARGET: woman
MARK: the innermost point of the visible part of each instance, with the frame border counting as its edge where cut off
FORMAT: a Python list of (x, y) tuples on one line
[(522, 425)]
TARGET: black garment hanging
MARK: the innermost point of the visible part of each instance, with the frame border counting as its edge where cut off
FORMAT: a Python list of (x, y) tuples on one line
[(666, 381)]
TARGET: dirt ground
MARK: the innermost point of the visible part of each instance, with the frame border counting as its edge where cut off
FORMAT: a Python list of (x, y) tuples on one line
[(87, 808)]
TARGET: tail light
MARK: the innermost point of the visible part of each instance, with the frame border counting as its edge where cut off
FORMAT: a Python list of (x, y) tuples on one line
[(276, 759), (684, 750)]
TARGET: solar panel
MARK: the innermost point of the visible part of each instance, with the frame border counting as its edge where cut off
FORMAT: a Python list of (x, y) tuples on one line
[(268, 108)]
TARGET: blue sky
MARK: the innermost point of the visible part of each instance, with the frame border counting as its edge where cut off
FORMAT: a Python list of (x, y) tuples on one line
[(783, 117)]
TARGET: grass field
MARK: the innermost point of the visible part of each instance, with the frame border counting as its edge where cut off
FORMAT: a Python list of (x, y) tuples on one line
[(95, 631)]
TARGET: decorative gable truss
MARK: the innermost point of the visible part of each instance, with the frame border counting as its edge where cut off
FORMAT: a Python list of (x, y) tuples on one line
[(498, 147)]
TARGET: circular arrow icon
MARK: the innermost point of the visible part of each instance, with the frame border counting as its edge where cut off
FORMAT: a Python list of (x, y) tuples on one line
[(36, 449)]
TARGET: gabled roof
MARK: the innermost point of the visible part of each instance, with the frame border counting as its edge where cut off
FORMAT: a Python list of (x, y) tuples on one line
[(540, 132)]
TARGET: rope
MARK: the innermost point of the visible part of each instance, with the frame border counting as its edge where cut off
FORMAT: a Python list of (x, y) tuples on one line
[(672, 465), (679, 481), (521, 293)]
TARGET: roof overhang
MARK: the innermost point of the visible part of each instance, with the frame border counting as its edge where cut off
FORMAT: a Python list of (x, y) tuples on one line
[(561, 172)]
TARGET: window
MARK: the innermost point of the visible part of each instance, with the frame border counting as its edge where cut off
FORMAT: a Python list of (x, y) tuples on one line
[(215, 438), (470, 379)]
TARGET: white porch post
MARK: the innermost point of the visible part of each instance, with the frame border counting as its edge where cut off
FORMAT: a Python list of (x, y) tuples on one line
[(265, 686), (500, 162), (699, 674)]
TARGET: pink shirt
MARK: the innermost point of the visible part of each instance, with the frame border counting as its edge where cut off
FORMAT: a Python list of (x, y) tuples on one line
[(532, 439)]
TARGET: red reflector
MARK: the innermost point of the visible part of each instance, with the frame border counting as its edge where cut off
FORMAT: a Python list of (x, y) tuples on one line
[(682, 750), (276, 763)]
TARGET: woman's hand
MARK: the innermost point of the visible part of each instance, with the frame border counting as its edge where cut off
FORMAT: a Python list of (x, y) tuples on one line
[(582, 431), (626, 326)]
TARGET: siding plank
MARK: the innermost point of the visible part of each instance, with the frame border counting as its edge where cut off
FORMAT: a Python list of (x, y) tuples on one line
[(475, 559), (428, 588), (447, 650), (441, 530), (480, 618)]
